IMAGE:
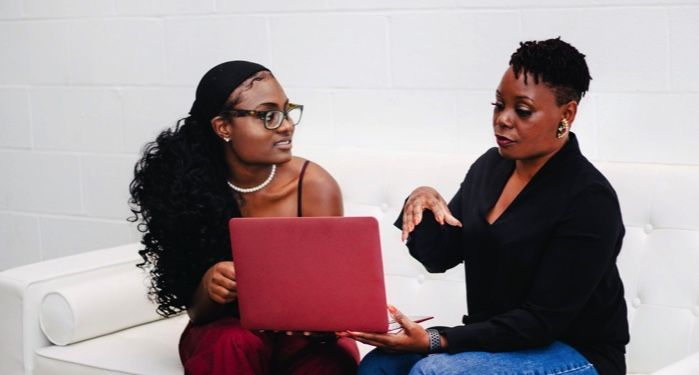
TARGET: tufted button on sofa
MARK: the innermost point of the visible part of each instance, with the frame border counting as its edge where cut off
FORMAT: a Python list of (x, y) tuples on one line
[(87, 314)]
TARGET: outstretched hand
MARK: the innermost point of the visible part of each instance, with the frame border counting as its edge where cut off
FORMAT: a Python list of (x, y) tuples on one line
[(425, 198), (411, 338)]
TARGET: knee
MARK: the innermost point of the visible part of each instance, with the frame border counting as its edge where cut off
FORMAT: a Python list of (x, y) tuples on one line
[(329, 359), (430, 365), (378, 362), (219, 346), (240, 340), (371, 363)]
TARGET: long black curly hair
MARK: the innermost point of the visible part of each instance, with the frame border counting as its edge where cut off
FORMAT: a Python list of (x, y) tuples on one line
[(179, 193), (556, 63), (180, 196)]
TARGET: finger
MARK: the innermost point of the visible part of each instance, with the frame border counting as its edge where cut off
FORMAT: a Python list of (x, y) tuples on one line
[(230, 286), (417, 213), (306, 333), (448, 217), (368, 341), (437, 210), (451, 220), (407, 229), (289, 333), (407, 219), (364, 341), (225, 282), (222, 295), (217, 290), (378, 339), (417, 218), (399, 317), (228, 270)]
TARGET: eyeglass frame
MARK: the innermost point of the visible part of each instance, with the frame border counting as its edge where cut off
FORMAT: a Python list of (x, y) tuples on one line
[(262, 115)]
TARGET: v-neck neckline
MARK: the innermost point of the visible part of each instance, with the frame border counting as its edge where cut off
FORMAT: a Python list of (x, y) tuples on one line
[(507, 171)]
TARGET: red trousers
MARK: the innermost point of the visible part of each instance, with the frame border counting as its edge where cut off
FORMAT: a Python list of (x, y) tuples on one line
[(224, 347)]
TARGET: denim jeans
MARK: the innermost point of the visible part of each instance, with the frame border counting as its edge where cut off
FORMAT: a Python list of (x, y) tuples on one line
[(557, 358)]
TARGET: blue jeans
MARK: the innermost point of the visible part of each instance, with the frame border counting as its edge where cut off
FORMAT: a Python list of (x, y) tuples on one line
[(557, 358)]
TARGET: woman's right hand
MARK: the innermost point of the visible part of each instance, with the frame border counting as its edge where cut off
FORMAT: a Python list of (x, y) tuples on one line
[(425, 198), (219, 282)]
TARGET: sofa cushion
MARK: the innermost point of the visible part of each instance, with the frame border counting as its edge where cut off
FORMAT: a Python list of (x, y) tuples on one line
[(146, 349), (86, 310)]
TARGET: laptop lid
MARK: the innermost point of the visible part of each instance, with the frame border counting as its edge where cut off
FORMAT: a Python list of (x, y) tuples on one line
[(309, 273)]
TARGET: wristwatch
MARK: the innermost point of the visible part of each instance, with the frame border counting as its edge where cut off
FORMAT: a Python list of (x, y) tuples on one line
[(435, 340)]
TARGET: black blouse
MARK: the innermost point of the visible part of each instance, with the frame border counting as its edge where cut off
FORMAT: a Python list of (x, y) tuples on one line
[(545, 270)]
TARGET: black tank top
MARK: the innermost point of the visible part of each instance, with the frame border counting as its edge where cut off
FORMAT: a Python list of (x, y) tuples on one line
[(299, 211)]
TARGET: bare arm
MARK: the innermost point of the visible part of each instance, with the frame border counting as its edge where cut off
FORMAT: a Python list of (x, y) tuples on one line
[(216, 289)]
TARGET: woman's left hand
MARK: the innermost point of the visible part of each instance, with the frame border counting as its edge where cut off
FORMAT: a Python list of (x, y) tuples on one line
[(411, 338)]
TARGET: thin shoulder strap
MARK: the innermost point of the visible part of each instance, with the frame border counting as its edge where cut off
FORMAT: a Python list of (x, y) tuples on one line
[(299, 211)]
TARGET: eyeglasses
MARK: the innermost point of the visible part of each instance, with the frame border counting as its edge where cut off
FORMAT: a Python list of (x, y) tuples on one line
[(272, 118)]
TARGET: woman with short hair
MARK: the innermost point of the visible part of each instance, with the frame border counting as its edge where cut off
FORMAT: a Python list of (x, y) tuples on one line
[(538, 229)]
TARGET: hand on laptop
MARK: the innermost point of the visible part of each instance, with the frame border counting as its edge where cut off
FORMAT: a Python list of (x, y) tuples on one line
[(411, 338), (219, 282), (425, 198)]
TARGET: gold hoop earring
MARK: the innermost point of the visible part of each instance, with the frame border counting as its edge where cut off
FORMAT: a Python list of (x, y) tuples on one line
[(562, 128)]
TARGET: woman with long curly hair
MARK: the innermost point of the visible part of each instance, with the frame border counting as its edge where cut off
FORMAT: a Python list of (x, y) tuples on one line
[(230, 157)]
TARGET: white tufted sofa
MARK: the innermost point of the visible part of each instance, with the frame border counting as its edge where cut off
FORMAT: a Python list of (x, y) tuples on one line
[(659, 264)]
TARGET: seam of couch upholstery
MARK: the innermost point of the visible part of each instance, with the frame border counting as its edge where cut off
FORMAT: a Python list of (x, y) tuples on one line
[(82, 365)]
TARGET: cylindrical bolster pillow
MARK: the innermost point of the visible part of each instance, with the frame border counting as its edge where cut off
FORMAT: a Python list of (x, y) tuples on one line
[(96, 307)]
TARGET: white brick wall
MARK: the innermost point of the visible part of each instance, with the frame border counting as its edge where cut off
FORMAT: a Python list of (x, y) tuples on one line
[(84, 84)]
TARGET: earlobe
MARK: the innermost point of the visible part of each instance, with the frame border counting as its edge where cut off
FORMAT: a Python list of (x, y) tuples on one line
[(219, 126), (562, 128), (568, 116)]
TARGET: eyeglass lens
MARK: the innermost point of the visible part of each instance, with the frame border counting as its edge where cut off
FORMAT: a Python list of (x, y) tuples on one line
[(274, 118)]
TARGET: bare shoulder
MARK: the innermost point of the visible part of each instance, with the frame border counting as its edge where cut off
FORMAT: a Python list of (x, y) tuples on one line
[(321, 193), (316, 176)]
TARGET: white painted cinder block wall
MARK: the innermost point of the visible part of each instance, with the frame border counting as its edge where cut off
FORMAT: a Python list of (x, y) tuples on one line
[(85, 83)]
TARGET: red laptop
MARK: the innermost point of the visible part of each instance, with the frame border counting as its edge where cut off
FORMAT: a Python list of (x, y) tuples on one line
[(309, 273)]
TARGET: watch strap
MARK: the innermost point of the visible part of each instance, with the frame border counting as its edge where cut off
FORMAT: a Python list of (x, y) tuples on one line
[(435, 340)]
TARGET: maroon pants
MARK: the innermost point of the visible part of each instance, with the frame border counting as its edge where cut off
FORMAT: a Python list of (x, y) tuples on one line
[(224, 347)]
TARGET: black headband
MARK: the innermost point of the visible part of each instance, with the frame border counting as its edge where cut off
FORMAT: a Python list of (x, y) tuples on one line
[(216, 86)]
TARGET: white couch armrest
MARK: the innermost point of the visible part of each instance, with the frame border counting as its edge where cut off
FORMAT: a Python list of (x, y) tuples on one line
[(22, 289)]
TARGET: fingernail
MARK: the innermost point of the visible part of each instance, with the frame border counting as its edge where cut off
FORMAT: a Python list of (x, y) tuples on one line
[(391, 309)]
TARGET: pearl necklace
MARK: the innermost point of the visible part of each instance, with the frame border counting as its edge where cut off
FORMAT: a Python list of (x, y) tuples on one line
[(255, 188)]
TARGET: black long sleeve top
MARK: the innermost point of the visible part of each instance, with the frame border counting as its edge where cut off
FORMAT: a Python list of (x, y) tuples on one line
[(545, 270)]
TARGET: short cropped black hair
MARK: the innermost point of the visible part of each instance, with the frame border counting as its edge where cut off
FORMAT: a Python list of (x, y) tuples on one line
[(555, 62)]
